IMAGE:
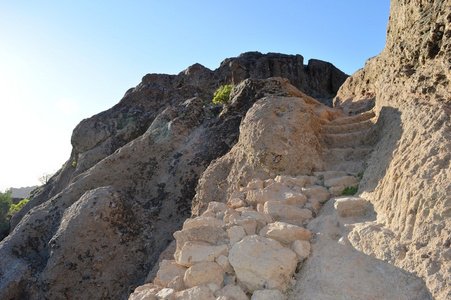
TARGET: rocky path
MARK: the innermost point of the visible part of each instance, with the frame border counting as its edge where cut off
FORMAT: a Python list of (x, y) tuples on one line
[(335, 269), (285, 238), (250, 247)]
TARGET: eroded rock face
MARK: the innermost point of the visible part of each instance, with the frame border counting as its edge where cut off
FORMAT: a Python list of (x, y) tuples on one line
[(278, 135), (95, 232), (407, 180), (318, 78), (145, 154)]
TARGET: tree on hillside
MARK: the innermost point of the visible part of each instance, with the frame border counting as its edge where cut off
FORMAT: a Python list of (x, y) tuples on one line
[(5, 204), (16, 207), (45, 178)]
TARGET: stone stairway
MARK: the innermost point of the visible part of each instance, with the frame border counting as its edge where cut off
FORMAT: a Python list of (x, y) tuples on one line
[(251, 246), (349, 141)]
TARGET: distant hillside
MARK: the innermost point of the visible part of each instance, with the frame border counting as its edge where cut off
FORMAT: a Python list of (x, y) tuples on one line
[(22, 192)]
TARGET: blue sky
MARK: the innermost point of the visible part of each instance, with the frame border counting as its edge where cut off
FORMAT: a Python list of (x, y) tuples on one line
[(62, 61)]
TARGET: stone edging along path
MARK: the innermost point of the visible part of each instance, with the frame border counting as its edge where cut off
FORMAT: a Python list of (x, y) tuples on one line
[(253, 245)]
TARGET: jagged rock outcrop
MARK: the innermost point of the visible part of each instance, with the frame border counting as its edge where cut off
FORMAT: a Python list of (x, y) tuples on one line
[(317, 79), (96, 229), (408, 175), (279, 135)]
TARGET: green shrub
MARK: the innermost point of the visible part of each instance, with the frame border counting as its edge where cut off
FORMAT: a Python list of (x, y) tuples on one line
[(350, 190), (5, 204), (222, 94), (16, 207)]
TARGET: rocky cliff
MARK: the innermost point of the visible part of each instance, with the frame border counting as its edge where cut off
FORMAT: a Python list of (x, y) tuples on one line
[(245, 200), (408, 178), (97, 228)]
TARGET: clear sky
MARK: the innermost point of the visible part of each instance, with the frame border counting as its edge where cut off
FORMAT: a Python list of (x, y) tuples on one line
[(63, 61)]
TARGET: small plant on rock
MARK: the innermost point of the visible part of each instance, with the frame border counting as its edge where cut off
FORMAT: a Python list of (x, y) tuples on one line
[(350, 190), (222, 94)]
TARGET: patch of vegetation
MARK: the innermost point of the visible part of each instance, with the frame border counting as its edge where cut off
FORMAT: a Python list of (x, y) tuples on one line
[(7, 210), (16, 207), (360, 175), (350, 190), (5, 204), (222, 94)]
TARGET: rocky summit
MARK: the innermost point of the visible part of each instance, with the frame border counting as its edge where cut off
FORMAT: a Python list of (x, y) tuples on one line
[(306, 184)]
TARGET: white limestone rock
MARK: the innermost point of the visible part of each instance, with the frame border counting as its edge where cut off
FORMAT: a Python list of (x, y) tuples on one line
[(168, 270), (195, 293), (196, 252), (202, 221), (261, 263), (203, 273), (216, 207), (351, 206), (166, 294), (285, 212), (285, 233), (232, 291), (236, 233), (301, 248), (317, 192)]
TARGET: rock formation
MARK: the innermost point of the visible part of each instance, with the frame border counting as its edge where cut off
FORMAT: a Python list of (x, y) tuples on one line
[(393, 239), (408, 175), (262, 179), (99, 225)]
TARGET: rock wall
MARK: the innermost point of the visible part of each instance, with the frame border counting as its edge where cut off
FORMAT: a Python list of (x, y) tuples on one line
[(279, 135), (97, 228), (407, 179)]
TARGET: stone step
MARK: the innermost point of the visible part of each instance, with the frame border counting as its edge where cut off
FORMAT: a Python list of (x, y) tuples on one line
[(350, 167), (346, 140), (353, 119), (347, 128), (348, 154)]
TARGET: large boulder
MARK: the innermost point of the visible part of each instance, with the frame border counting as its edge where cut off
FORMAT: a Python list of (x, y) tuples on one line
[(204, 273), (262, 263)]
